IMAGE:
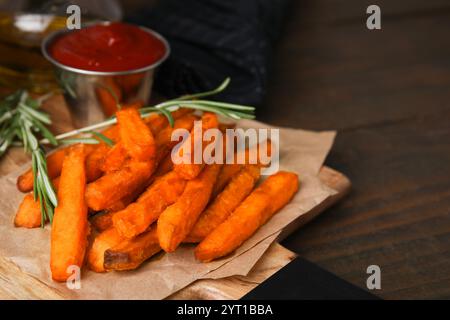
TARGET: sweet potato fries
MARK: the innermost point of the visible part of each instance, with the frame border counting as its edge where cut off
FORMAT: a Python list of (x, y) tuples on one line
[(252, 213), (139, 201), (70, 223), (177, 221)]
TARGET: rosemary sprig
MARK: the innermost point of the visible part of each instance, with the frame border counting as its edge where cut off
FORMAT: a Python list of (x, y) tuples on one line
[(21, 123), (228, 110)]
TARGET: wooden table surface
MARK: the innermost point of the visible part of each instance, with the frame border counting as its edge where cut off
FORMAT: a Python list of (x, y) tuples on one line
[(388, 94)]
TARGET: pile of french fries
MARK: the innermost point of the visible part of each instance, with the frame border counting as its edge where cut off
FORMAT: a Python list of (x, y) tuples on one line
[(120, 205)]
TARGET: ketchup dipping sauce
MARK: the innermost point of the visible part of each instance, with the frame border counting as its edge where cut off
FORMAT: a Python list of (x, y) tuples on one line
[(104, 67), (112, 47)]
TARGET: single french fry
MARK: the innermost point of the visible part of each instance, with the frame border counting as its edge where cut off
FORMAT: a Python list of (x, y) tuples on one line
[(130, 254), (136, 137), (102, 242), (110, 188), (70, 224), (138, 216), (176, 221), (221, 207), (274, 193), (228, 171), (29, 213), (191, 170)]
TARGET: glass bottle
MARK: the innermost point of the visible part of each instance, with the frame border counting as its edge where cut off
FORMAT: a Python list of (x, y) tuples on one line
[(23, 26)]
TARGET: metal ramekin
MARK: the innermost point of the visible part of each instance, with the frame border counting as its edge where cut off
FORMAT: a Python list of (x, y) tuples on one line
[(92, 95)]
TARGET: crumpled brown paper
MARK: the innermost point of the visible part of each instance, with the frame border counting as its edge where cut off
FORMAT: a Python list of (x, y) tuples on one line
[(301, 151)]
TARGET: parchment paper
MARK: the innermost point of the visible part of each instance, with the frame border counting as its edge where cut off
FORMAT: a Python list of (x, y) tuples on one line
[(300, 151)]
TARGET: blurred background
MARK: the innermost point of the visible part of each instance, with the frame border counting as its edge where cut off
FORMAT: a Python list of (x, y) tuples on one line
[(313, 64)]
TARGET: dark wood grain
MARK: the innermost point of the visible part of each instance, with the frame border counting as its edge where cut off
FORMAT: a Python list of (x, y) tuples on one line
[(387, 92)]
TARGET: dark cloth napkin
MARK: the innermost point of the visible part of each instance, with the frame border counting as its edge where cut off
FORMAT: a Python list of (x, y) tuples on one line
[(215, 39)]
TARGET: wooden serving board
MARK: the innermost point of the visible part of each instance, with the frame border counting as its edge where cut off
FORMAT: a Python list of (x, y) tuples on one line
[(14, 284)]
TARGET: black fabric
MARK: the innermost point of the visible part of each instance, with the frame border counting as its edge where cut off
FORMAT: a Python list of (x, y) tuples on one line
[(214, 39), (303, 280)]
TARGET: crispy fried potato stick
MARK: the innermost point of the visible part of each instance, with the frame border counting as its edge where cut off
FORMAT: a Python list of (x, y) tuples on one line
[(175, 223), (138, 216), (221, 207), (135, 135), (102, 242), (130, 254), (110, 188), (230, 170), (275, 192), (29, 213), (191, 170), (70, 224)]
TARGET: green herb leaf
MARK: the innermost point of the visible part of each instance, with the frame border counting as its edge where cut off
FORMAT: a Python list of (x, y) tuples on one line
[(67, 142), (104, 138)]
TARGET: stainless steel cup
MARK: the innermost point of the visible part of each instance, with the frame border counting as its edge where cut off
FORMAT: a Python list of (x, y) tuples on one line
[(92, 96)]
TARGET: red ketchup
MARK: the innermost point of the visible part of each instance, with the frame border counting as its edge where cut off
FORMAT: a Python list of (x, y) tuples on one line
[(108, 48)]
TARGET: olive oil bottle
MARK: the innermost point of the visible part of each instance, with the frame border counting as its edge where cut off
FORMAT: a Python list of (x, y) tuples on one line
[(23, 26), (21, 63)]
